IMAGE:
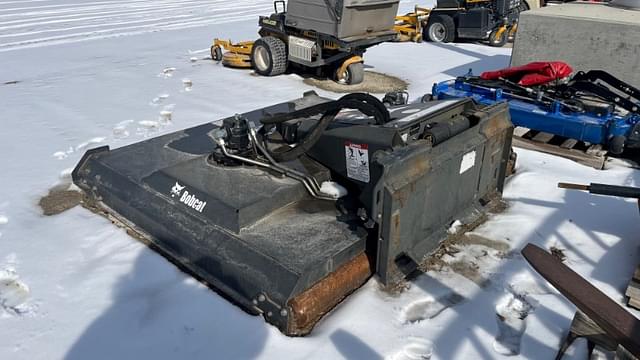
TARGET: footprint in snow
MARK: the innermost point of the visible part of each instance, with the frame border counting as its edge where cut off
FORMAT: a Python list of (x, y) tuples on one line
[(168, 72), (149, 124), (61, 155), (90, 143), (148, 127), (429, 308), (188, 84), (121, 129), (3, 221), (165, 117), (13, 292), (511, 315), (417, 349), (159, 99), (526, 284)]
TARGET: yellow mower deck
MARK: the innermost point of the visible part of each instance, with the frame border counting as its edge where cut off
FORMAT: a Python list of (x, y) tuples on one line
[(237, 55), (409, 26)]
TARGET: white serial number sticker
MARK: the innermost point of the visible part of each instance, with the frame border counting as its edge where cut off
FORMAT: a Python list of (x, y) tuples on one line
[(357, 159), (468, 161)]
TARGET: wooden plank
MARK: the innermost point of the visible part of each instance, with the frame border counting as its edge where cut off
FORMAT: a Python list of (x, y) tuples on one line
[(596, 162), (623, 354), (520, 131), (583, 326), (596, 150), (616, 321), (543, 137), (569, 143), (633, 290)]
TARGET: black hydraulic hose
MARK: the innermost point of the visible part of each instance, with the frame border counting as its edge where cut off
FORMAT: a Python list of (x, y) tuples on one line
[(613, 190), (273, 119), (604, 189), (307, 143), (365, 103), (374, 107)]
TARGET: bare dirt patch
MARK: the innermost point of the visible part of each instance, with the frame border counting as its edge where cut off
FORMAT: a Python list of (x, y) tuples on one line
[(59, 200), (374, 82), (474, 239)]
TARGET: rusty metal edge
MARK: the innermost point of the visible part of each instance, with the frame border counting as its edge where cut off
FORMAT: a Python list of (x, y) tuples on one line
[(311, 305)]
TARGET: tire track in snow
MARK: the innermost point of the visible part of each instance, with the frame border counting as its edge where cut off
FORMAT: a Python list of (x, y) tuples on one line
[(38, 20), (119, 14), (74, 7), (13, 292), (135, 20), (102, 34), (118, 18), (22, 1), (116, 8)]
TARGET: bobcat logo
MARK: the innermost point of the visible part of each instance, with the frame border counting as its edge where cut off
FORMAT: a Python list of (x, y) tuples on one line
[(176, 190)]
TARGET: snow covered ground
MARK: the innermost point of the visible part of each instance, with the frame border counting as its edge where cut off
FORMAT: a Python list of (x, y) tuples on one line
[(75, 74)]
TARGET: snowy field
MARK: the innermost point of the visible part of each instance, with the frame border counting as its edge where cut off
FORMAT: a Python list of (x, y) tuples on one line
[(75, 74)]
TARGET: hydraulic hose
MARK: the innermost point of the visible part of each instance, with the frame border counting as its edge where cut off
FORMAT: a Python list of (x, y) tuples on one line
[(364, 103)]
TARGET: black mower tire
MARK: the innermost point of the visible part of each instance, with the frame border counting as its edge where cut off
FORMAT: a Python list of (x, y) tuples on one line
[(216, 53), (442, 24), (427, 98), (355, 73), (616, 144), (498, 42), (269, 56)]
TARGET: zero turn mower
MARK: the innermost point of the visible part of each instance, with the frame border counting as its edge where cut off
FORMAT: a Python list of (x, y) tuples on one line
[(287, 209), (316, 36), (495, 21)]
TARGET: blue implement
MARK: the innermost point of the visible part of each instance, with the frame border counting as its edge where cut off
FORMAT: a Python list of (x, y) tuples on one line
[(582, 115)]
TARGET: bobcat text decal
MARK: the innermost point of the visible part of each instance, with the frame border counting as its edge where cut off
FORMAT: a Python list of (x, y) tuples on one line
[(186, 198)]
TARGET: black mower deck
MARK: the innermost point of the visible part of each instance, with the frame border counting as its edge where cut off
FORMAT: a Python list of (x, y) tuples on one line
[(209, 217), (206, 199)]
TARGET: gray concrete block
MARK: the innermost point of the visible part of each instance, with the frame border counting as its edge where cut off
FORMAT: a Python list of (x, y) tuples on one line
[(588, 36)]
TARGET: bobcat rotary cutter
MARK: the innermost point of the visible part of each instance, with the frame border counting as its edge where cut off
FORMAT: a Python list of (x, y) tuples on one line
[(239, 203)]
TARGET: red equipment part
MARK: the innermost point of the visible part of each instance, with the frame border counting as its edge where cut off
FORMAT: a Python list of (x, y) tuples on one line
[(532, 74)]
